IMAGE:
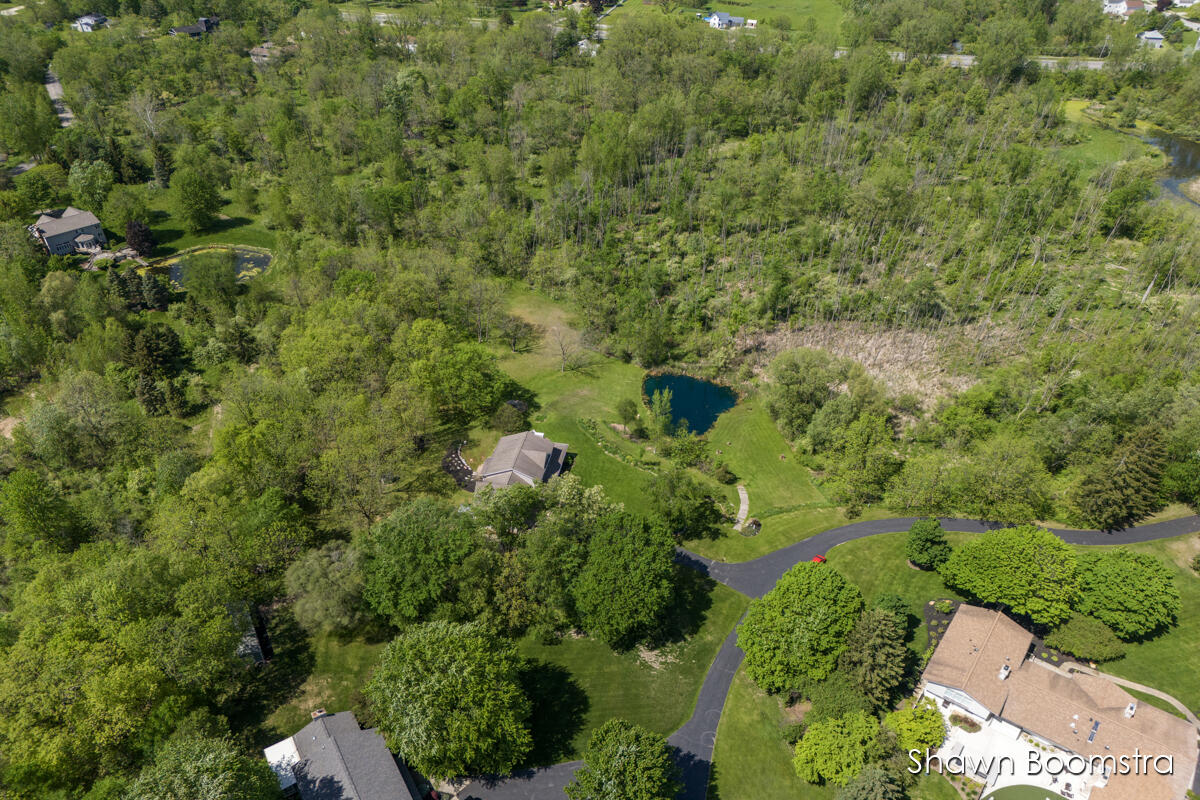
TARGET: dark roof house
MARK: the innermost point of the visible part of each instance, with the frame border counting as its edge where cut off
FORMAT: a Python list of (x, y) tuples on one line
[(522, 458), (332, 758), (203, 25)]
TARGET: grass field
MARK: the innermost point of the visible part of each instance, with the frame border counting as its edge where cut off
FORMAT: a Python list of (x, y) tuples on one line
[(337, 672), (236, 228), (588, 683), (1021, 793), (823, 17), (1168, 662), (752, 761), (1101, 145)]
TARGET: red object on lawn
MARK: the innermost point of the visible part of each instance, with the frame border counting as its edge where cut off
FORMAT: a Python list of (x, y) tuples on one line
[(818, 559)]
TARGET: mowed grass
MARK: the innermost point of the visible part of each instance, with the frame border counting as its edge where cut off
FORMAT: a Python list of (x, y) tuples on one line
[(1168, 662), (339, 671), (751, 446), (823, 17), (657, 690), (777, 531), (752, 760), (238, 227)]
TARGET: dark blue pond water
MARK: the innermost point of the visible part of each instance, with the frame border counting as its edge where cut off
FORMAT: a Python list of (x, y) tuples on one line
[(697, 401)]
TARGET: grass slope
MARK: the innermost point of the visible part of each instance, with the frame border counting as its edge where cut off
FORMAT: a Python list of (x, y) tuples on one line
[(657, 691), (822, 17)]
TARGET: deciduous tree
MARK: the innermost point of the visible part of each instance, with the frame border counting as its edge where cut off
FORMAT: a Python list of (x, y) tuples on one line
[(625, 762)]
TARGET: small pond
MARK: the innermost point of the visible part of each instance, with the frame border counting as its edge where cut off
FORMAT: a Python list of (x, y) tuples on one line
[(1184, 158), (246, 262), (698, 401)]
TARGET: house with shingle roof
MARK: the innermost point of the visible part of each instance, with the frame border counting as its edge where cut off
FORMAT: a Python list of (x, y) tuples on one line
[(980, 672), (723, 21), (525, 458), (69, 230), (332, 758)]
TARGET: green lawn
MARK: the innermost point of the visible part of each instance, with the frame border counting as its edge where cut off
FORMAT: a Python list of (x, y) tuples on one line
[(824, 16), (751, 446), (586, 683), (238, 227), (1168, 663), (752, 760), (336, 673), (1100, 145)]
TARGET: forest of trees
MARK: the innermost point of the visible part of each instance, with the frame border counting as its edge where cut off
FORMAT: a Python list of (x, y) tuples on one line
[(183, 453)]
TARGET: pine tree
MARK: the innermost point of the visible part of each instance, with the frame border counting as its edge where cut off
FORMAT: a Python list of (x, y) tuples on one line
[(1127, 488), (154, 294), (875, 657)]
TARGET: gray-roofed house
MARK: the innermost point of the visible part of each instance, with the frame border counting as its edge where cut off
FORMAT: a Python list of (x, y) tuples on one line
[(525, 458), (723, 21), (332, 758), (69, 230), (203, 25)]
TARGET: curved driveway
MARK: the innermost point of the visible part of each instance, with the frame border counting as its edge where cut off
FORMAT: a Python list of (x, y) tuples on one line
[(693, 743)]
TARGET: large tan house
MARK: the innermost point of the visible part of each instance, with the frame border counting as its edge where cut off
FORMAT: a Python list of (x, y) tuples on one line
[(1030, 710)]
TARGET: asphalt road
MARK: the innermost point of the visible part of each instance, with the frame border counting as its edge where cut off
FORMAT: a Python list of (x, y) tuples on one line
[(693, 743)]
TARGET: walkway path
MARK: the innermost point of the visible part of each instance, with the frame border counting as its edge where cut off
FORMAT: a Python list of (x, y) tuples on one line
[(743, 507), (694, 742), (1141, 687)]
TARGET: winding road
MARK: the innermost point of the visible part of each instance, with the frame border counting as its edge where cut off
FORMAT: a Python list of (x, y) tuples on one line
[(693, 743)]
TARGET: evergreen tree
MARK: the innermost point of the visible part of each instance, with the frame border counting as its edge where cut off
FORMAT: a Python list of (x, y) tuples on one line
[(873, 783), (154, 294), (875, 658), (1127, 487)]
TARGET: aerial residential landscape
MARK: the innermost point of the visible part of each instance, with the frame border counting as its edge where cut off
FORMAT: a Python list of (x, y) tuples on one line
[(639, 400)]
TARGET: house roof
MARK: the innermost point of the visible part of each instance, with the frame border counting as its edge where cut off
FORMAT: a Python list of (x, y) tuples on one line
[(527, 457), (203, 25), (1086, 714), (1061, 708), (334, 759), (1151, 35), (976, 647), (66, 220), (93, 19)]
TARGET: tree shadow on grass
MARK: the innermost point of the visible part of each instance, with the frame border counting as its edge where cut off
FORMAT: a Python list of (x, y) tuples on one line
[(164, 236), (687, 611), (559, 705), (264, 688)]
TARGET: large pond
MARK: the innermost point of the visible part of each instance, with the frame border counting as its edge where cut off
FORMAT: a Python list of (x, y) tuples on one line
[(246, 262), (697, 401), (1184, 157)]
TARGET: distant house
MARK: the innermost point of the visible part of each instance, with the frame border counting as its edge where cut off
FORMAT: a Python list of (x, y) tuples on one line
[(90, 22), (69, 230), (203, 26), (1123, 8), (751, 24), (722, 21), (527, 458), (332, 758), (1152, 39)]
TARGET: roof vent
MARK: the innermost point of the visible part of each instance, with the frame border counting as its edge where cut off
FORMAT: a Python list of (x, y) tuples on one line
[(1130, 710), (1004, 670)]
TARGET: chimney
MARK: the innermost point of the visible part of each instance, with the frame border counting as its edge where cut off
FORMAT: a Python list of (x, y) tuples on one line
[(1130, 710), (320, 712), (1004, 670)]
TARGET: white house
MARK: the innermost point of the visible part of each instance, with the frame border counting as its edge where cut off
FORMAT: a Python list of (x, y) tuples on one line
[(722, 21), (1152, 39), (1123, 8), (90, 22)]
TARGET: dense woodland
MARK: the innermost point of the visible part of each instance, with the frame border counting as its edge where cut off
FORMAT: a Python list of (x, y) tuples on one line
[(182, 455)]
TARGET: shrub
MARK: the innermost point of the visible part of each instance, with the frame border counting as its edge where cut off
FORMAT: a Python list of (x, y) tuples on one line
[(927, 546), (1087, 638), (944, 606)]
